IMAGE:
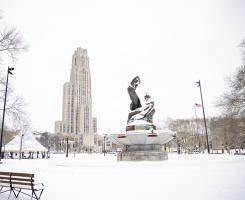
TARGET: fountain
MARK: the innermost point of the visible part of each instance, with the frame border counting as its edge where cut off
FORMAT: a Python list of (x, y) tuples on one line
[(141, 141)]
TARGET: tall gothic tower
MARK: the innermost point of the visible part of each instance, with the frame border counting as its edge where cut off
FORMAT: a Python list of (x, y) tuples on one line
[(77, 101)]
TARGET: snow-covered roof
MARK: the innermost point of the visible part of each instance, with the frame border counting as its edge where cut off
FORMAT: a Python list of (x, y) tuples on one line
[(29, 144)]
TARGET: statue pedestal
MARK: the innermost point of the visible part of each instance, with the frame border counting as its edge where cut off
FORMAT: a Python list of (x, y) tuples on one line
[(150, 152)]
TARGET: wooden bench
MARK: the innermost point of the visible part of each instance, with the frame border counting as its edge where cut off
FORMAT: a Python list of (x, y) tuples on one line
[(18, 183)]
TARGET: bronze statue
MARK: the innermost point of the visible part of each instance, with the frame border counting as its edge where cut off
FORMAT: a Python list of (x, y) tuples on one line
[(138, 112), (132, 93)]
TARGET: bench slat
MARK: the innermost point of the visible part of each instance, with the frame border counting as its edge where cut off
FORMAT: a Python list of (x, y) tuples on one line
[(5, 173), (22, 179), (21, 174), (16, 178), (4, 182), (20, 183), (4, 177), (23, 187)]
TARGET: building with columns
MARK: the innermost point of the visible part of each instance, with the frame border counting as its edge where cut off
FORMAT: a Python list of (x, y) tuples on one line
[(77, 116)]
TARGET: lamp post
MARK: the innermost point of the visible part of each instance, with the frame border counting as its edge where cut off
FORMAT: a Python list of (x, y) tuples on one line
[(48, 153), (22, 135), (67, 147), (204, 118), (104, 144), (197, 138), (10, 69), (21, 139)]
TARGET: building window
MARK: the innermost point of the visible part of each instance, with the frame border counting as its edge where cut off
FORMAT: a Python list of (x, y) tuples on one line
[(83, 61), (86, 120), (84, 86)]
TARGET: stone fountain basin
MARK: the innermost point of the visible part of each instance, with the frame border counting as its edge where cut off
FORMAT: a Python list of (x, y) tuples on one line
[(142, 137)]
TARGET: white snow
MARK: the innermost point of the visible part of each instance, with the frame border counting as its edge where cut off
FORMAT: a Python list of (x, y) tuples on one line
[(139, 122), (95, 177)]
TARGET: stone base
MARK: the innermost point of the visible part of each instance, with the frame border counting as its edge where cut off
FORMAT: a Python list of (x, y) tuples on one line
[(142, 153)]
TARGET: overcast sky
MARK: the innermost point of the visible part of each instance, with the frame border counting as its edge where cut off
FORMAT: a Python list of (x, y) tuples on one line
[(170, 44)]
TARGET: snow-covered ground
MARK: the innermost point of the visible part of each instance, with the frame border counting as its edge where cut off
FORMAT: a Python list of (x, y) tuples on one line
[(95, 177)]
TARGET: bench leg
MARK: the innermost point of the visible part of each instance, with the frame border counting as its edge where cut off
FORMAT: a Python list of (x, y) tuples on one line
[(10, 190), (35, 195), (1, 190), (40, 193), (5, 191), (9, 194), (19, 191)]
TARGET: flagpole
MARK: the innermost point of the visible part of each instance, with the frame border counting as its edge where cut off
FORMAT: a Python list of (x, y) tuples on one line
[(197, 135), (204, 118), (196, 130)]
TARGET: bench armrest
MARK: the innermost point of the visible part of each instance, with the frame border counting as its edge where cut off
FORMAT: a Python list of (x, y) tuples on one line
[(38, 186)]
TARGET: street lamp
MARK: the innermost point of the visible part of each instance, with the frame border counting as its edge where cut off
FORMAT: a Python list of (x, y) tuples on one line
[(21, 139), (104, 144), (48, 153), (10, 69), (67, 147), (204, 118)]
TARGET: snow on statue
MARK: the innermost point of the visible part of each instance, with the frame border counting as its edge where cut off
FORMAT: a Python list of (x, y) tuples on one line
[(138, 112)]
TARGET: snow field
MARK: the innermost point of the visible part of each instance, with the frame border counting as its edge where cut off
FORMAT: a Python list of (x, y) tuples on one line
[(95, 177)]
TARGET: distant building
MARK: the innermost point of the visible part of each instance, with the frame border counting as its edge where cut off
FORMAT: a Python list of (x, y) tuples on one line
[(59, 127), (77, 101)]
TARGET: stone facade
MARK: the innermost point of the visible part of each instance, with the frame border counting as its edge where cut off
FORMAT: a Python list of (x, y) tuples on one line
[(141, 152), (77, 101)]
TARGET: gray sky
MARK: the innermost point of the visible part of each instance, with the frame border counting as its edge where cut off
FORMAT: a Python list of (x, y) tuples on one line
[(170, 44)]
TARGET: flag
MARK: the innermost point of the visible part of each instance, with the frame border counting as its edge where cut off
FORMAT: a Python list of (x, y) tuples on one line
[(198, 105)]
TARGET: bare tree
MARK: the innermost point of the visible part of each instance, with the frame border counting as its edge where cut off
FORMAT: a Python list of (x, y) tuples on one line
[(189, 133), (242, 47), (227, 132), (230, 127), (233, 101), (14, 110), (11, 44)]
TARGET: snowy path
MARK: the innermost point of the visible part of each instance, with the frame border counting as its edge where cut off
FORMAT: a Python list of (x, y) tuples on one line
[(95, 177)]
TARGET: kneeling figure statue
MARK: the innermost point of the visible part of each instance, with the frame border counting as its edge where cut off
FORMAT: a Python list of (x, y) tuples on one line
[(139, 112)]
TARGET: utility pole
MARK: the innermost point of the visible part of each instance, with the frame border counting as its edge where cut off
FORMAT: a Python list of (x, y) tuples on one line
[(20, 153), (204, 118), (197, 136)]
